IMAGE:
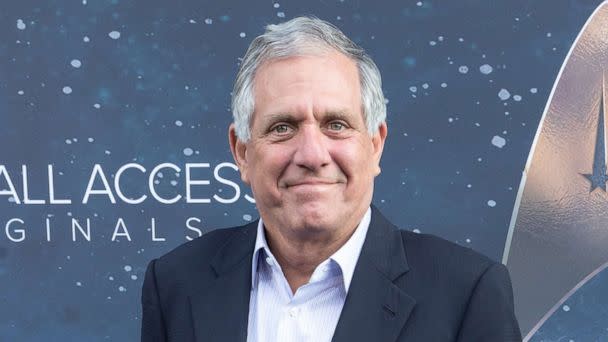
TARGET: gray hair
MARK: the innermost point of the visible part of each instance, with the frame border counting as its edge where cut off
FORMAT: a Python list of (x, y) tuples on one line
[(297, 37)]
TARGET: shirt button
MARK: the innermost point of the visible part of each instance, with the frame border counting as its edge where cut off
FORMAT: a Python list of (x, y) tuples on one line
[(293, 312), (269, 261), (325, 268)]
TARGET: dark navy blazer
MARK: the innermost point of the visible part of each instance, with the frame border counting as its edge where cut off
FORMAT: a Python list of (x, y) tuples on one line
[(406, 287)]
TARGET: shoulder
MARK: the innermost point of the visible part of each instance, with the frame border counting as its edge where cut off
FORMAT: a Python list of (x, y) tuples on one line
[(469, 292), (440, 261), (431, 248), (428, 257), (203, 246), (195, 257)]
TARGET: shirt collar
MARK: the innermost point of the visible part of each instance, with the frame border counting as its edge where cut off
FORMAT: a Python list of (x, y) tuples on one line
[(346, 257), (261, 247)]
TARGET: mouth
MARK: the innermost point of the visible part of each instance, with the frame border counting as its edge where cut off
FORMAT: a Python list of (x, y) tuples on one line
[(311, 183)]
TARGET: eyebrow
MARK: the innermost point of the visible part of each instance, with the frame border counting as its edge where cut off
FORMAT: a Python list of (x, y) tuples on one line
[(340, 114), (337, 115), (278, 117)]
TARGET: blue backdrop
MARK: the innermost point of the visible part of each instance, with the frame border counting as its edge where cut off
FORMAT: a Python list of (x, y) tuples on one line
[(87, 87)]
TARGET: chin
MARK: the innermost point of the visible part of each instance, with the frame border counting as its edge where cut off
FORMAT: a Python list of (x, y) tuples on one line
[(313, 214), (314, 208)]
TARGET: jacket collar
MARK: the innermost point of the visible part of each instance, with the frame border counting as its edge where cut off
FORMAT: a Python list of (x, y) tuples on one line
[(220, 311), (236, 250), (373, 293)]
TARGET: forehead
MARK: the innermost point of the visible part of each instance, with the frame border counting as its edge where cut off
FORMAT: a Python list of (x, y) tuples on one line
[(317, 83)]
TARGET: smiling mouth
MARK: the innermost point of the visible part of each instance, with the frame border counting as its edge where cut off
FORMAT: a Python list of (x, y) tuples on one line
[(311, 183)]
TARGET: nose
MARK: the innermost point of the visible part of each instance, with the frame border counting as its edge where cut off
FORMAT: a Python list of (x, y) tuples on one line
[(311, 152)]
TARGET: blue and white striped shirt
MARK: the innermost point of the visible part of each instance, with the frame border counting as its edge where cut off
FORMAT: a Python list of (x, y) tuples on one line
[(312, 312)]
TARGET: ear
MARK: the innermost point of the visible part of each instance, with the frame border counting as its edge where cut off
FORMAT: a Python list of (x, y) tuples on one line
[(378, 145), (239, 153)]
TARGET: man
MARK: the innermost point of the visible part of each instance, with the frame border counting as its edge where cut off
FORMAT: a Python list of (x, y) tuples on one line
[(320, 264)]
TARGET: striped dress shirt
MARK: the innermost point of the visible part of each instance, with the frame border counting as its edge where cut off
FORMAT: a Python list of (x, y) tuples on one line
[(312, 312)]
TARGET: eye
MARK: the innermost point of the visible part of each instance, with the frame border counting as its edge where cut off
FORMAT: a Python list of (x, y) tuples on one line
[(281, 129), (337, 126)]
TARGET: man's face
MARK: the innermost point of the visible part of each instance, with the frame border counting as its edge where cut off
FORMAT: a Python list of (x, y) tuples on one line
[(310, 161)]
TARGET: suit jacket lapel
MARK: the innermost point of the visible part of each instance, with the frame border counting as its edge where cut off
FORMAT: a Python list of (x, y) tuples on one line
[(375, 308), (221, 312)]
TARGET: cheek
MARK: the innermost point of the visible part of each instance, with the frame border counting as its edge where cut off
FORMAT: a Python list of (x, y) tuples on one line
[(353, 159), (269, 164)]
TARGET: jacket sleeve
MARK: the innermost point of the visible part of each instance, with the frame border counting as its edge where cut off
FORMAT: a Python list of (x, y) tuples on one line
[(152, 323), (490, 315)]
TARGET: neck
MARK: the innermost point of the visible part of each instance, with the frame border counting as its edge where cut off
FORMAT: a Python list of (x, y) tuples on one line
[(300, 256)]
